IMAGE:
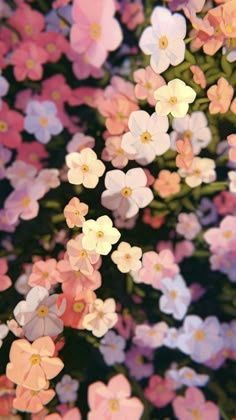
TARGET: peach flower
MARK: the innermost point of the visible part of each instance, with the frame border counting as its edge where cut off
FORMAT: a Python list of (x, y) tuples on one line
[(198, 76), (5, 281), (31, 365), (220, 96), (127, 258), (74, 212), (167, 183), (84, 168), (185, 153), (44, 273), (147, 82), (76, 308), (32, 401), (7, 395), (232, 151)]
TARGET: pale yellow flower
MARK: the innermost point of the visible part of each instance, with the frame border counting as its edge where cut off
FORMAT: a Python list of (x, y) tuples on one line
[(127, 258), (99, 235), (101, 317)]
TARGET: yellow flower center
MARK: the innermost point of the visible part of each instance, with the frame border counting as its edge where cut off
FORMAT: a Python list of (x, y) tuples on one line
[(95, 31), (28, 29), (188, 134), (99, 234), (84, 168), (78, 306), (119, 116), (120, 151), (159, 388), (196, 414), (173, 294), (113, 347), (229, 28), (126, 192), (33, 157), (139, 359), (151, 333), (62, 24), (145, 137), (227, 234), (55, 95), (173, 100), (157, 267), (43, 121), (230, 333), (33, 393), (127, 257), (100, 315), (199, 335), (83, 253), (188, 375), (51, 48), (30, 63), (45, 274), (42, 311), (113, 405), (1, 163), (148, 85), (3, 126), (163, 43), (35, 359), (197, 172), (25, 202)]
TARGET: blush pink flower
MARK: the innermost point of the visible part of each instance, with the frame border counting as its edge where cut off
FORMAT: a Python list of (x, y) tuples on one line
[(74, 212), (157, 266), (101, 316), (113, 401), (95, 30), (81, 259), (20, 173), (133, 15), (167, 183), (71, 414), (115, 153), (147, 82), (188, 225), (232, 151), (160, 392), (81, 66), (31, 401), (220, 96), (11, 123), (5, 281), (32, 365), (198, 76), (79, 142), (6, 397), (27, 61), (150, 336), (193, 406), (185, 153), (44, 273)]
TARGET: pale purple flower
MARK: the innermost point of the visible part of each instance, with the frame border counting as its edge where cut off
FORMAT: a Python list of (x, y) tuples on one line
[(195, 128), (138, 367), (207, 212), (226, 263), (228, 332), (176, 297), (42, 121), (67, 389), (20, 174), (150, 336), (6, 223), (5, 156), (164, 40), (55, 22), (147, 137), (170, 340), (188, 225), (126, 193), (216, 360), (187, 376), (112, 348), (39, 314), (200, 339)]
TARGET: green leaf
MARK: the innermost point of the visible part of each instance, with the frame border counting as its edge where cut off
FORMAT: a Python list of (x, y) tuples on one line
[(226, 66), (190, 57)]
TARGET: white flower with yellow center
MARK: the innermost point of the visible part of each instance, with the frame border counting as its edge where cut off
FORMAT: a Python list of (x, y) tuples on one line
[(99, 235), (127, 258), (176, 297), (39, 314), (201, 170), (164, 40), (84, 168), (174, 98), (101, 317)]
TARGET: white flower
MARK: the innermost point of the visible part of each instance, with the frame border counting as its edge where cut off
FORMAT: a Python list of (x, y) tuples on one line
[(201, 170), (127, 258), (194, 127), (232, 184), (39, 314), (174, 98), (176, 297), (147, 137), (99, 235), (164, 40), (3, 332), (85, 168), (101, 317)]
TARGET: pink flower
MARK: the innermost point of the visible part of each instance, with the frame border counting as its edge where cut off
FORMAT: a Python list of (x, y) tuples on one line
[(198, 76), (156, 267), (133, 15), (113, 401), (147, 82), (54, 45), (11, 123), (74, 212), (27, 22), (44, 273), (160, 392), (115, 153), (32, 153), (6, 397), (220, 96), (79, 142), (188, 225), (31, 365), (28, 60), (232, 151), (193, 406), (150, 336), (185, 153), (126, 193), (95, 30), (77, 308), (5, 281), (20, 173), (81, 66), (71, 414), (32, 401), (167, 183), (80, 258)]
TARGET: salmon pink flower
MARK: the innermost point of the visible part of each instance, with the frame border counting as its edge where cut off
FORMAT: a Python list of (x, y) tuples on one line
[(99, 235), (81, 259), (74, 212), (44, 273), (77, 307), (101, 316), (174, 98), (127, 258), (5, 281), (232, 151), (71, 414), (27, 22), (185, 153), (32, 401), (32, 153), (6, 397), (11, 123), (147, 82), (160, 392), (32, 365), (114, 152), (53, 43), (113, 401), (198, 76), (220, 96), (193, 406), (91, 32), (84, 168), (167, 183), (27, 61)]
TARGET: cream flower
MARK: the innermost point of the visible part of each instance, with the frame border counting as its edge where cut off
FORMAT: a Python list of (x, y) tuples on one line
[(174, 98), (232, 178), (84, 168), (101, 317), (127, 258), (99, 235), (201, 170)]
